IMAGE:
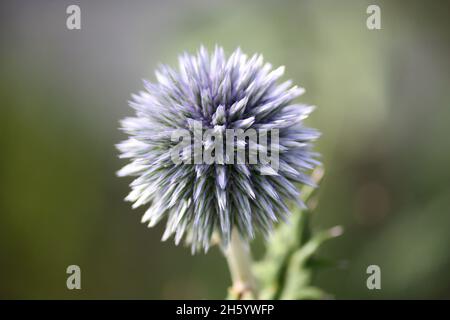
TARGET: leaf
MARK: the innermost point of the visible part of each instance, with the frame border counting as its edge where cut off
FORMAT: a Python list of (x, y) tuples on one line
[(286, 270)]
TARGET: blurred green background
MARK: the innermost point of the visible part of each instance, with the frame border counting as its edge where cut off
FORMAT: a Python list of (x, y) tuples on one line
[(383, 106)]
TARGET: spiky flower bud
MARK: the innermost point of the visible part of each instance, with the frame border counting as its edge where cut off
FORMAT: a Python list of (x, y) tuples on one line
[(198, 199)]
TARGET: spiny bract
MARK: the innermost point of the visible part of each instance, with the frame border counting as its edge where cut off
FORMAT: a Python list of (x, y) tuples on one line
[(200, 199)]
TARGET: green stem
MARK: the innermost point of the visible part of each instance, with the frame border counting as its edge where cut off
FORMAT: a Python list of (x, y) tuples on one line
[(240, 263)]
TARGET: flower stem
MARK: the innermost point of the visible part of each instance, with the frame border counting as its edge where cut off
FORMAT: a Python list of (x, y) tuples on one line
[(240, 262)]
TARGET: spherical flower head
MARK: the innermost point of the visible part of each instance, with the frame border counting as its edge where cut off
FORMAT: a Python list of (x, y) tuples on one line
[(221, 94)]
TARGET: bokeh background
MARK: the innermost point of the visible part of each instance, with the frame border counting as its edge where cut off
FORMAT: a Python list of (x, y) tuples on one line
[(383, 106)]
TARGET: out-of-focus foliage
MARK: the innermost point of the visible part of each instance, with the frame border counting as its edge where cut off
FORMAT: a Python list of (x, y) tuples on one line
[(286, 271), (382, 105)]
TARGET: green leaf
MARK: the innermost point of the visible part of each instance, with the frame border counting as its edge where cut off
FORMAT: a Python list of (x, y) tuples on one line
[(286, 270)]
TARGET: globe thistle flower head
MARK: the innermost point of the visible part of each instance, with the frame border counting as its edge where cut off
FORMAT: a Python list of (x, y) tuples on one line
[(199, 199)]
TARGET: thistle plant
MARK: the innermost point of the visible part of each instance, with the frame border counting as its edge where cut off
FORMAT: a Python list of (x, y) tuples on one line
[(225, 202)]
